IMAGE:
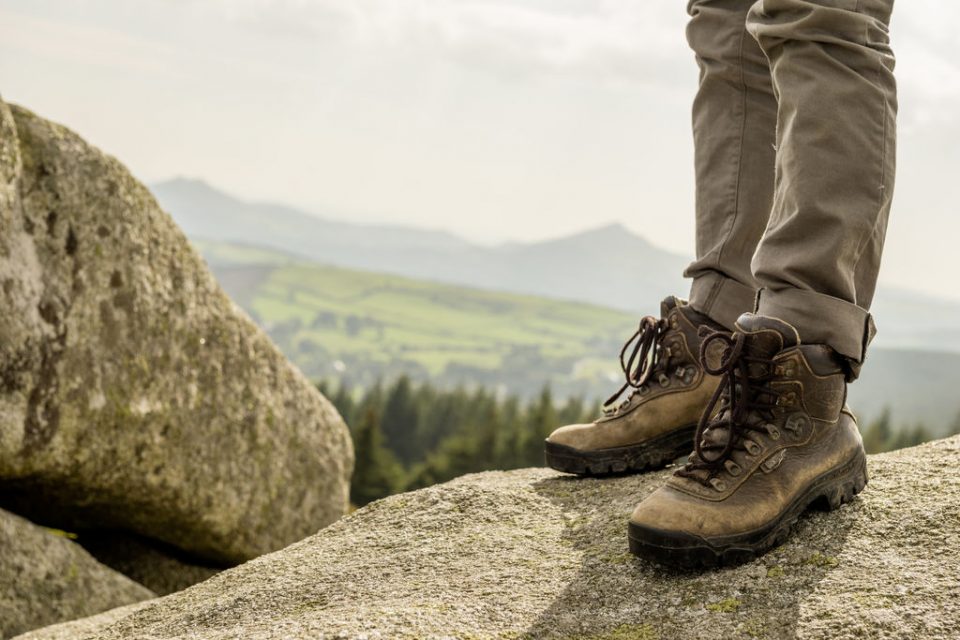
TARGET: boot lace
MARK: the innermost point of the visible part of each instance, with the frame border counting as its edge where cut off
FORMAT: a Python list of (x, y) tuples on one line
[(645, 357), (746, 404)]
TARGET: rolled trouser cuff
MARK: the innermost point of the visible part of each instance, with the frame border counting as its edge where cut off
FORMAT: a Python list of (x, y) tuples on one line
[(720, 298), (821, 319)]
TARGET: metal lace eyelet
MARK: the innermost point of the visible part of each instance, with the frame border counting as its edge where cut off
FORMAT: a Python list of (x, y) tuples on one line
[(733, 468), (787, 400), (664, 380), (718, 484), (752, 447), (773, 432), (642, 389), (796, 423), (773, 461)]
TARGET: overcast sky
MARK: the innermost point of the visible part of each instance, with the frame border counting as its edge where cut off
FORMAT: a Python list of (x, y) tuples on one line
[(495, 119)]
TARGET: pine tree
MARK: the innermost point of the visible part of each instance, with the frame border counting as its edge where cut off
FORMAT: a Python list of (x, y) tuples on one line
[(955, 427), (324, 388), (441, 414), (400, 421), (572, 412), (909, 437), (920, 434), (371, 400), (483, 434), (877, 437), (344, 402), (513, 433), (541, 421), (376, 472)]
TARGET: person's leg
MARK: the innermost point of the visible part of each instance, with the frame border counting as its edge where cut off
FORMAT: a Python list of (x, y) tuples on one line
[(777, 436), (832, 69), (734, 122)]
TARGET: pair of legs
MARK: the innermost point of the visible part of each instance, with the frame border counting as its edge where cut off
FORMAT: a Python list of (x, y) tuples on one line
[(794, 136), (794, 130)]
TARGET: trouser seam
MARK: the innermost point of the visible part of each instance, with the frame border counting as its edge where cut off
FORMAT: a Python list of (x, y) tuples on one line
[(743, 130), (878, 71)]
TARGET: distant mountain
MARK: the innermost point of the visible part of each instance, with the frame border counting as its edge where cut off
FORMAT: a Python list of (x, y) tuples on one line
[(608, 266), (204, 212)]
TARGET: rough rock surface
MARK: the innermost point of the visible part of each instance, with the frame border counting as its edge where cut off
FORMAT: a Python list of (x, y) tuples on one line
[(535, 554), (45, 578), (133, 393), (160, 569)]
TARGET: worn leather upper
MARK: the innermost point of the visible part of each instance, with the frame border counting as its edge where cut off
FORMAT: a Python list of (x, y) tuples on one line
[(807, 434), (673, 396)]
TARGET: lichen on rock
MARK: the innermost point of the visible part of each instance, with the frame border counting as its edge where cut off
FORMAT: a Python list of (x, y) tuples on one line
[(134, 394)]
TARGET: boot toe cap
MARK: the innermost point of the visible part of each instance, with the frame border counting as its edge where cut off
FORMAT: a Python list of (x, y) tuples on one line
[(575, 436), (669, 514)]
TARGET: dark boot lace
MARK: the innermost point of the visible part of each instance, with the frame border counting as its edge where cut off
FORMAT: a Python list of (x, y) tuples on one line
[(746, 404), (645, 358)]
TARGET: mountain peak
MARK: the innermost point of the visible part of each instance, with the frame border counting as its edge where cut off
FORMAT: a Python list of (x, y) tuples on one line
[(614, 236), (610, 230), (188, 189), (184, 182)]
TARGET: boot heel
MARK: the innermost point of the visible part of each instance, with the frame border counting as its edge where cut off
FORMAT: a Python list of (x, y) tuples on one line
[(848, 484)]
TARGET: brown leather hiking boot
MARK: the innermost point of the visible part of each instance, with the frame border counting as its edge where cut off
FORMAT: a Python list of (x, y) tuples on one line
[(651, 419), (775, 439)]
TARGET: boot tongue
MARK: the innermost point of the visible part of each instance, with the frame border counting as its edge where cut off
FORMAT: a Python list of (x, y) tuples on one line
[(766, 336), (669, 304)]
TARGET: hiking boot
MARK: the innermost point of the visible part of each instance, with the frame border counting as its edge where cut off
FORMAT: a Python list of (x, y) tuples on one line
[(651, 419), (776, 439)]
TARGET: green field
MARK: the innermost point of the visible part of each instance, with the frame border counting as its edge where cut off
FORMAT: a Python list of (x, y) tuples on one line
[(358, 326)]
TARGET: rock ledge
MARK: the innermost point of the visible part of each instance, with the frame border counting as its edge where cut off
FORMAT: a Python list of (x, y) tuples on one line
[(532, 553)]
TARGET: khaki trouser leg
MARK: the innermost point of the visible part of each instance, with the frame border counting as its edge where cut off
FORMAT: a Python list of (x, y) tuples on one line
[(832, 71), (734, 120)]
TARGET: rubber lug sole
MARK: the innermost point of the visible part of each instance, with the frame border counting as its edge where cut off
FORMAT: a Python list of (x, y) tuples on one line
[(686, 551), (646, 456)]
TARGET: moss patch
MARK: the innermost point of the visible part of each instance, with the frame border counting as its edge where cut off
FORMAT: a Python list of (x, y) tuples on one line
[(727, 605)]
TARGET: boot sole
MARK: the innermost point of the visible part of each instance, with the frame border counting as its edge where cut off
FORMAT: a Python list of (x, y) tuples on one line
[(828, 492), (646, 456)]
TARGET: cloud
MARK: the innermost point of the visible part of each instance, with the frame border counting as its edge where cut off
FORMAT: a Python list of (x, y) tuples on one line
[(927, 71), (80, 44), (607, 39)]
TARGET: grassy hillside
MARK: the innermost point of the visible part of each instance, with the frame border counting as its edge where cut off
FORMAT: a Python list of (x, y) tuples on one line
[(361, 326), (354, 326)]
